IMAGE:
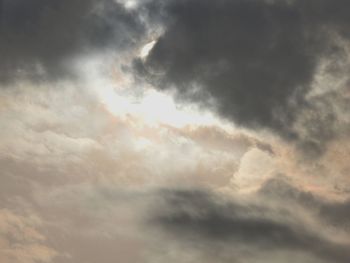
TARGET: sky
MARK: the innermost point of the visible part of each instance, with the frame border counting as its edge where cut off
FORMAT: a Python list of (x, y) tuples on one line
[(192, 131)]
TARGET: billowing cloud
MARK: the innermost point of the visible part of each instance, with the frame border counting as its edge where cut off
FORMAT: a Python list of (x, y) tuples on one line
[(255, 62)]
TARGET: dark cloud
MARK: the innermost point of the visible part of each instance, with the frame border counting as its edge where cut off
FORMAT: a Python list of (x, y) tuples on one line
[(257, 59), (280, 188), (198, 216), (338, 214), (332, 213), (40, 37)]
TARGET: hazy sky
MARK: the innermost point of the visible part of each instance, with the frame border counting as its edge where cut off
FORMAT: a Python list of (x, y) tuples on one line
[(177, 131)]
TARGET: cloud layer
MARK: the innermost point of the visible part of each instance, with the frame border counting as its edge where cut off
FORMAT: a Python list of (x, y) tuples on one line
[(200, 217), (189, 153)]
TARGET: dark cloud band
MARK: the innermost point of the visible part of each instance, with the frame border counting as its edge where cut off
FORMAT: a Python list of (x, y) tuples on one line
[(200, 217)]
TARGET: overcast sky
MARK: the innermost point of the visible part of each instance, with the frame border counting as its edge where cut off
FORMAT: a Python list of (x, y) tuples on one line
[(191, 131)]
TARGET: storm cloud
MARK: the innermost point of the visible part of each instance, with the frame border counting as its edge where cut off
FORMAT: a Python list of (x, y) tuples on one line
[(40, 38), (254, 61)]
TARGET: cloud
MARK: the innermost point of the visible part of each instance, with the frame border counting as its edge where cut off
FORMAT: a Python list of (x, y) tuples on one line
[(253, 61), (96, 221), (197, 216), (54, 133), (335, 213), (21, 241), (40, 38), (80, 184), (97, 182)]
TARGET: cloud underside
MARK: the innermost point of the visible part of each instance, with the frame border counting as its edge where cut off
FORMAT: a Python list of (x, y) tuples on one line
[(194, 225), (253, 61), (217, 226), (88, 222), (40, 39)]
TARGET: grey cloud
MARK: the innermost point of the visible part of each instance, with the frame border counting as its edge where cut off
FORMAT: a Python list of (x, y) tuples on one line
[(39, 38), (279, 187), (332, 213), (91, 221), (257, 59), (199, 216), (324, 120), (338, 214)]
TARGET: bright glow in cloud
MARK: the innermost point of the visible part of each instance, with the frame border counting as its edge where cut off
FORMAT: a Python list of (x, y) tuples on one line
[(155, 108), (146, 49)]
